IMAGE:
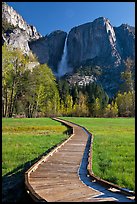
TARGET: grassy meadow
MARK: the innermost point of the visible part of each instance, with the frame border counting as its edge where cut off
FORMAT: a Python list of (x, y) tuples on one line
[(113, 148), (25, 140)]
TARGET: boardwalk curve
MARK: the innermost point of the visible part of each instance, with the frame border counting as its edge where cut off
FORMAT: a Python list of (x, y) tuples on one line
[(64, 175)]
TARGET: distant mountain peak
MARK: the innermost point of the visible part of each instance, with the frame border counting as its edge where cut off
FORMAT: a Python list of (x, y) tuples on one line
[(20, 32), (13, 18)]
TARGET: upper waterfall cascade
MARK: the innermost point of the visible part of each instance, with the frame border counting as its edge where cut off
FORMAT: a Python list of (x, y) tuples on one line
[(63, 67)]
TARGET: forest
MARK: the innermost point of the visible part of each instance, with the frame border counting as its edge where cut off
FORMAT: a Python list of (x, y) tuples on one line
[(35, 92)]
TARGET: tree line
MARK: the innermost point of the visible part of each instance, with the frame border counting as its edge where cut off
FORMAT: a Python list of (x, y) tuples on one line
[(35, 92)]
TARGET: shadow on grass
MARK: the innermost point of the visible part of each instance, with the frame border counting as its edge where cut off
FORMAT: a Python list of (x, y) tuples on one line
[(13, 183)]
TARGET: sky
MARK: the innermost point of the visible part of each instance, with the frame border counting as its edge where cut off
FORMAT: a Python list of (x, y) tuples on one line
[(50, 16)]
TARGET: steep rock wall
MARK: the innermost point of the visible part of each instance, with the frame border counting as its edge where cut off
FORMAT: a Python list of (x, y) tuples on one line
[(49, 49), (93, 40)]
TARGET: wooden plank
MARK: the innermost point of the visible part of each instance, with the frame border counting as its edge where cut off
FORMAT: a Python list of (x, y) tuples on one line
[(55, 177)]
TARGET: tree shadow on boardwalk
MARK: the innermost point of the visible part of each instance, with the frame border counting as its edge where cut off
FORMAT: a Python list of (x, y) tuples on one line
[(103, 192), (13, 183), (13, 187)]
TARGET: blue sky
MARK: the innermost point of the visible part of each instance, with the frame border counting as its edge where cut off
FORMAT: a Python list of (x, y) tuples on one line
[(51, 16)]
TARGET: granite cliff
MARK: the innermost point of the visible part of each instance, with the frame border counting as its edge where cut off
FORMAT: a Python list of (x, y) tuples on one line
[(16, 32), (93, 40), (49, 49), (96, 43)]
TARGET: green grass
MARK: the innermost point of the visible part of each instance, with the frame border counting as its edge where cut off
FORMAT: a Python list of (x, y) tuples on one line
[(113, 148), (24, 140)]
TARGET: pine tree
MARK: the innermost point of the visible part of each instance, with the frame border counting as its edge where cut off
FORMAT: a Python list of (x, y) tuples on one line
[(127, 76)]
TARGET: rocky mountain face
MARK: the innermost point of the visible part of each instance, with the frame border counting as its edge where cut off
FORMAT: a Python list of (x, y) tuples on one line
[(95, 43), (49, 49), (93, 40), (16, 32), (125, 35), (99, 43)]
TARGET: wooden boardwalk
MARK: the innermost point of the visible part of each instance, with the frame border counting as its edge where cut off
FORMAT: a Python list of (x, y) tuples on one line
[(61, 176)]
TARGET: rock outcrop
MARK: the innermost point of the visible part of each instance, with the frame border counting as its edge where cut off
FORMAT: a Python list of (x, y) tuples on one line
[(18, 34), (101, 44), (16, 31), (49, 49), (99, 41), (125, 36), (17, 38)]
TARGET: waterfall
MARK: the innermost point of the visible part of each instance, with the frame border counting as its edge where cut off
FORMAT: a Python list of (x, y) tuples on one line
[(63, 65)]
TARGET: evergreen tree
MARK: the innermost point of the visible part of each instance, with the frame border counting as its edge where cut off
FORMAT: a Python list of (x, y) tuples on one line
[(95, 91), (64, 89), (74, 93), (127, 76)]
